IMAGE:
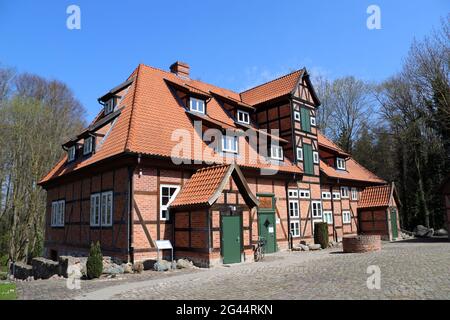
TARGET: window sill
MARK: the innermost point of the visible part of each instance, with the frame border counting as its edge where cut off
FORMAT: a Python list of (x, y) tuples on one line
[(57, 227)]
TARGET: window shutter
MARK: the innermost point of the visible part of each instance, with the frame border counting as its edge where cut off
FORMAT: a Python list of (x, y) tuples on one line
[(306, 119), (308, 159)]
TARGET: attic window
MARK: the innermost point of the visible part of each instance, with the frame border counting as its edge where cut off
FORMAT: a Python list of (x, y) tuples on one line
[(110, 105), (276, 152), (71, 154), (340, 163), (230, 144), (197, 105), (88, 145), (243, 117)]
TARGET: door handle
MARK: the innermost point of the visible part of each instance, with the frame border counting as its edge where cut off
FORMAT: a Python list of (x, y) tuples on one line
[(238, 239)]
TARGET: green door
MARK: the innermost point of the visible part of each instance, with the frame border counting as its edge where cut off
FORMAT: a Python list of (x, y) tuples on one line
[(231, 239), (267, 230), (394, 223)]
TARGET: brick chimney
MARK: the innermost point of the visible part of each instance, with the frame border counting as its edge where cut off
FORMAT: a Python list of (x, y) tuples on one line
[(180, 69)]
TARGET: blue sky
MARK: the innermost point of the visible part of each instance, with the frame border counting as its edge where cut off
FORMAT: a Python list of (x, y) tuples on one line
[(234, 44)]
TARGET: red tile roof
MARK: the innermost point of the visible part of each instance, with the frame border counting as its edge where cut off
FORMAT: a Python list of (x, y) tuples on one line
[(151, 114), (328, 144), (378, 196), (354, 171), (202, 186), (206, 185), (273, 89)]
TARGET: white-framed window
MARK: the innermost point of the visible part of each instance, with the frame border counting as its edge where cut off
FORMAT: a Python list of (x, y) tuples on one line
[(296, 116), (167, 194), (87, 146), (276, 152), (344, 192), (197, 105), (293, 193), (243, 117), (95, 209), (313, 121), (304, 194), (336, 195), (328, 217), (340, 163), (316, 209), (293, 209), (102, 209), (295, 229), (58, 209), (107, 208), (354, 194), (230, 144), (299, 153), (315, 157), (346, 217), (110, 105), (326, 195), (71, 154)]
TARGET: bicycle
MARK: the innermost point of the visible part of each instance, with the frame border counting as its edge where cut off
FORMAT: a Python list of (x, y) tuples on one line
[(259, 250)]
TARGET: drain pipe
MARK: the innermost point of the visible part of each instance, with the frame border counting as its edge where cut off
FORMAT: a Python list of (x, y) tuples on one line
[(286, 187)]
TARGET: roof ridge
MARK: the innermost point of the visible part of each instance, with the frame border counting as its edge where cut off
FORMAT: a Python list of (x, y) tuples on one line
[(128, 141), (280, 77), (212, 167)]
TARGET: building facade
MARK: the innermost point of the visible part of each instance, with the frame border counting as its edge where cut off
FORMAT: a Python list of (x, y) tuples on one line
[(122, 177)]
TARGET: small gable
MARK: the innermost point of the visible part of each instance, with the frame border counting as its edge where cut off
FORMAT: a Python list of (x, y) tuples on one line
[(207, 184)]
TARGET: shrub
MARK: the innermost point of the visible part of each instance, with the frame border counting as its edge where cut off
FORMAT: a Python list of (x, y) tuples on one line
[(321, 234), (3, 260), (94, 264)]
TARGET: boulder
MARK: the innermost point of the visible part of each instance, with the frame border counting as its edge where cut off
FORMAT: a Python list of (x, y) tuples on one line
[(314, 246), (423, 232), (184, 264), (138, 266), (113, 269), (127, 267), (44, 268), (21, 270), (162, 265), (441, 233), (303, 247)]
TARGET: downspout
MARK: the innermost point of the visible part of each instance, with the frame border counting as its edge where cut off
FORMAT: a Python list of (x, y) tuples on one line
[(286, 187), (332, 214), (131, 171)]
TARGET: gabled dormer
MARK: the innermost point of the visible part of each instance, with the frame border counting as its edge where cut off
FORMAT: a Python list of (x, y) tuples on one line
[(110, 100)]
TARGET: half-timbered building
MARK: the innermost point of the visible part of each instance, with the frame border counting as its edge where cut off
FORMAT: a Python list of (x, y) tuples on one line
[(210, 169)]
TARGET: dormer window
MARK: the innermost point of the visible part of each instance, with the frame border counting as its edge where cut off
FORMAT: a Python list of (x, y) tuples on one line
[(230, 144), (243, 117), (110, 105), (340, 163), (197, 105), (71, 154), (88, 145), (276, 152)]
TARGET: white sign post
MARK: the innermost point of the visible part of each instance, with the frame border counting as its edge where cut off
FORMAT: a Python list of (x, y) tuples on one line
[(164, 245)]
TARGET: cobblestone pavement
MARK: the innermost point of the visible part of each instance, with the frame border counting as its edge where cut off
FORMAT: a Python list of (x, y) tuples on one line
[(409, 270)]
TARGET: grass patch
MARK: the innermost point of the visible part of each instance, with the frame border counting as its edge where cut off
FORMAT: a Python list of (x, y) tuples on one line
[(8, 291)]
